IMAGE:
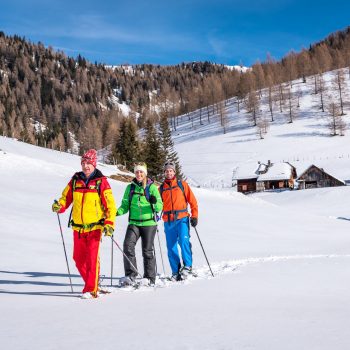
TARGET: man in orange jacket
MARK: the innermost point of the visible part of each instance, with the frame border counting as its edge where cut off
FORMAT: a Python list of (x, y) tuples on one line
[(176, 196), (93, 211)]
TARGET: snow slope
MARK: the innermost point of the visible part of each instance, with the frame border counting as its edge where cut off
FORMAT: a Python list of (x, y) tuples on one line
[(281, 270), (209, 157)]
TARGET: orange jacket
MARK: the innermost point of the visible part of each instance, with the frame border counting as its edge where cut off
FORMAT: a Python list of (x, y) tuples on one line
[(175, 201)]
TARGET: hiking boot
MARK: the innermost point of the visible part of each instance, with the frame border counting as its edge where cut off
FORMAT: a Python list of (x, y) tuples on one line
[(149, 282), (185, 272), (175, 277), (126, 281), (89, 295)]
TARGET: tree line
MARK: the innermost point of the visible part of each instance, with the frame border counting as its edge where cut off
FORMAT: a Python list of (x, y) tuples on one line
[(56, 101)]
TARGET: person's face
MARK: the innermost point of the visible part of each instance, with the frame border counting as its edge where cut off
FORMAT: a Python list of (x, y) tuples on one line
[(169, 173), (140, 175), (87, 168)]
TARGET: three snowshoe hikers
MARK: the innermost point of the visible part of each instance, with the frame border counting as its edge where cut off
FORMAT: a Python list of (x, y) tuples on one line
[(93, 211), (142, 201), (176, 195)]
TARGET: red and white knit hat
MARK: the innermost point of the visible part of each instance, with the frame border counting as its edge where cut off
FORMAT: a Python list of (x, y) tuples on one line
[(90, 157)]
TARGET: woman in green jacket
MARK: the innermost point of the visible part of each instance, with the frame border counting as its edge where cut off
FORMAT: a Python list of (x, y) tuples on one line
[(142, 200)]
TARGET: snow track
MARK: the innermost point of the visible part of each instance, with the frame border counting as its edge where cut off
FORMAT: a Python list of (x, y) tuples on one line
[(232, 265), (227, 267)]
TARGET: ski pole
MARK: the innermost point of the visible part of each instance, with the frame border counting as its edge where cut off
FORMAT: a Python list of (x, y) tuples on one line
[(112, 262), (160, 247), (65, 253), (132, 265), (161, 253), (155, 259), (203, 251)]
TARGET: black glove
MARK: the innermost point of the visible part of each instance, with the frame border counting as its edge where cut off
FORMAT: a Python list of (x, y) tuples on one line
[(152, 199), (194, 222)]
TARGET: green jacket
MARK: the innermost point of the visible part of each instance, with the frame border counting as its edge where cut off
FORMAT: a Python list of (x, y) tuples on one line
[(141, 213)]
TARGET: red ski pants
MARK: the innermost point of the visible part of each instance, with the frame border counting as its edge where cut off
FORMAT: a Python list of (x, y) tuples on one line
[(86, 254)]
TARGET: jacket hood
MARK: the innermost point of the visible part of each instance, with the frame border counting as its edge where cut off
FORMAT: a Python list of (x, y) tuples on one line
[(149, 182), (80, 175), (171, 181)]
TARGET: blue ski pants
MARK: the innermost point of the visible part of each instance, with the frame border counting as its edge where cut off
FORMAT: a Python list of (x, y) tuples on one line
[(177, 232)]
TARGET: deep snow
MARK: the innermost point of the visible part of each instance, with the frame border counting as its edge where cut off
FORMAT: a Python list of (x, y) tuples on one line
[(209, 157), (280, 260), (281, 271)]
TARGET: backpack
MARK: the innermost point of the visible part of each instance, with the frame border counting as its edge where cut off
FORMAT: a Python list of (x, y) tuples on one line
[(176, 212), (179, 184), (98, 185), (146, 193)]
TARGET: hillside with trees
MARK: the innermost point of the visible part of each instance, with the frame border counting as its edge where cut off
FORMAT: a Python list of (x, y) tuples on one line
[(56, 101)]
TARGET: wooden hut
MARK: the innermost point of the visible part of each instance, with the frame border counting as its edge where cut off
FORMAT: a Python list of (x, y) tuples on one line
[(245, 177), (315, 177), (278, 176)]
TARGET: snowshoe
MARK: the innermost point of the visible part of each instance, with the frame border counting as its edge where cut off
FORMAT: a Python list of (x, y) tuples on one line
[(126, 281), (89, 295), (103, 290), (146, 282), (185, 272), (175, 277)]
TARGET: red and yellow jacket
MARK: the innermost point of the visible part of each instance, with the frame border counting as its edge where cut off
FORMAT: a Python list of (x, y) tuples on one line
[(93, 203), (175, 200)]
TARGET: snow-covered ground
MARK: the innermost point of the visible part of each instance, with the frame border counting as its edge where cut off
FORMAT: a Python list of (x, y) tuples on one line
[(209, 157), (280, 261)]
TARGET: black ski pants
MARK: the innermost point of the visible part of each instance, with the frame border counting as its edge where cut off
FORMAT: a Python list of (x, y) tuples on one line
[(147, 234)]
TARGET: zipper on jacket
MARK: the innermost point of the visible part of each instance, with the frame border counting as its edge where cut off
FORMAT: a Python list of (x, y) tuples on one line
[(96, 209), (139, 200), (82, 208), (171, 199)]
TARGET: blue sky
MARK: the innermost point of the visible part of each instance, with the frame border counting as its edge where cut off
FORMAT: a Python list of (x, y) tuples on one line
[(171, 32)]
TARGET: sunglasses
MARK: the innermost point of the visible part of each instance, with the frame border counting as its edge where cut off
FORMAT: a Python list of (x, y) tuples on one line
[(169, 163), (140, 163)]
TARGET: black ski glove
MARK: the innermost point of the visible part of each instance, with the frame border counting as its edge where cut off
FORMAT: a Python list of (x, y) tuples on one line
[(194, 222), (152, 199)]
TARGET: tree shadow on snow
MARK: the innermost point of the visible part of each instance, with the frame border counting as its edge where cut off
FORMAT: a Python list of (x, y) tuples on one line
[(342, 218), (304, 134), (28, 279), (48, 294), (38, 274)]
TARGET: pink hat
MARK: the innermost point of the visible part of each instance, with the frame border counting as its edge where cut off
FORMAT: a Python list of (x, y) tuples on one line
[(90, 157)]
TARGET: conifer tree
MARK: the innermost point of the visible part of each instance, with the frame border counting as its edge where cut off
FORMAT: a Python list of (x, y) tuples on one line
[(126, 150), (168, 145), (152, 152)]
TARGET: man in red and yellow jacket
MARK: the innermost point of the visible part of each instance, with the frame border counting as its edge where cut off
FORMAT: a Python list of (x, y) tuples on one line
[(93, 210), (176, 196)]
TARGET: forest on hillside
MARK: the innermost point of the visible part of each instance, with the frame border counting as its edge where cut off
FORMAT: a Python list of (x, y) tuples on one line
[(56, 101)]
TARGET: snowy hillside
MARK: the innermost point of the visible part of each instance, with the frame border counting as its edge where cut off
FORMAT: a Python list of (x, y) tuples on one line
[(280, 261), (209, 156)]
